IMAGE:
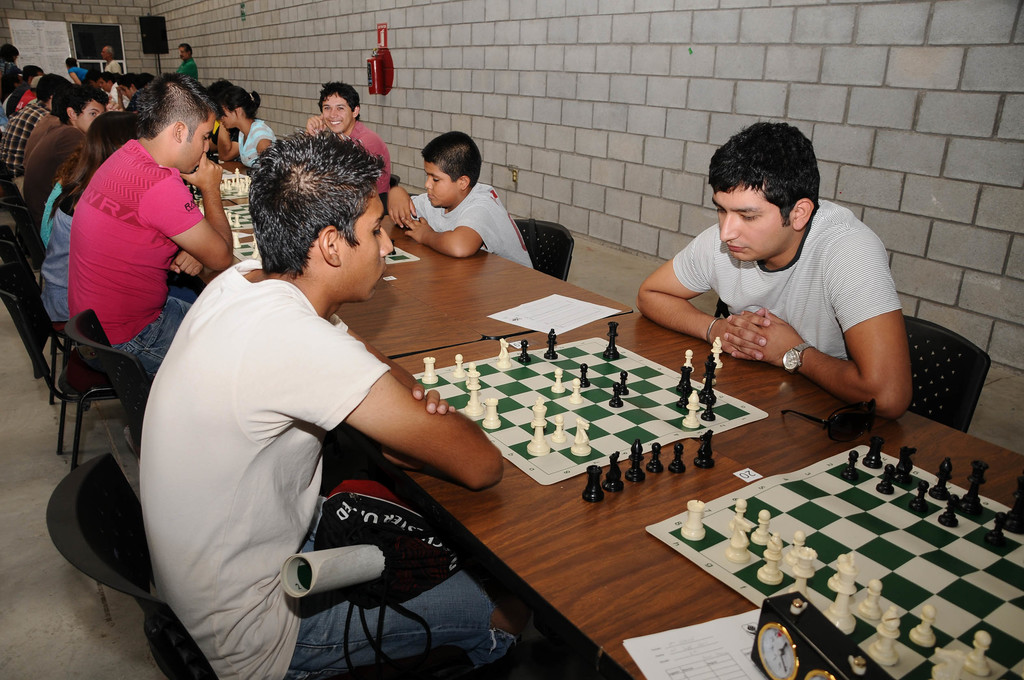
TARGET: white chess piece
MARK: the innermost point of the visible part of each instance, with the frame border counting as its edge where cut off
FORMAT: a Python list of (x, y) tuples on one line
[(739, 525), (716, 351), (474, 408), (949, 664), (690, 422), (503, 359), (429, 377), (844, 586), (922, 634), (558, 387), (798, 542), (833, 581), (869, 607), (576, 397), (976, 663), (581, 444), (689, 359), (491, 421), (803, 569), (693, 529), (761, 533), (458, 373), (539, 413), (538, 446), (558, 436), (235, 243), (769, 572), (473, 376), (883, 649)]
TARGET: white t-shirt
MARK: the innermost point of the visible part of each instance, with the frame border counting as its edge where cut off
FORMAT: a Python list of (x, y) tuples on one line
[(482, 211), (839, 278), (231, 471)]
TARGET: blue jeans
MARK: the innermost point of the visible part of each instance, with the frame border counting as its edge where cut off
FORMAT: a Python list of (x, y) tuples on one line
[(153, 341), (458, 612)]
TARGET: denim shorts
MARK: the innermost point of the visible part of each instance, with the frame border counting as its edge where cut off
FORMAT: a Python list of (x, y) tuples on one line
[(458, 612), (153, 341)]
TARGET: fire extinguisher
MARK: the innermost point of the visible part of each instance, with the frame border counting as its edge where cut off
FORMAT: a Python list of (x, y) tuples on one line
[(380, 71)]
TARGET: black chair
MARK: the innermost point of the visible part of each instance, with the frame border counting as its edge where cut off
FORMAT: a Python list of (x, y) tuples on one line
[(77, 383), (10, 249), (948, 373), (9, 190), (550, 246), (95, 521), (28, 233), (125, 371)]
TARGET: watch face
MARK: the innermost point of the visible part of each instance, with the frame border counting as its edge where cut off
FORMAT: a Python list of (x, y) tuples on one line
[(777, 652), (819, 674), (789, 359)]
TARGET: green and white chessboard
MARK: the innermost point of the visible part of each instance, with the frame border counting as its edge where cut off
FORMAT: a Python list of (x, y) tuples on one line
[(234, 186), (649, 412), (972, 585)]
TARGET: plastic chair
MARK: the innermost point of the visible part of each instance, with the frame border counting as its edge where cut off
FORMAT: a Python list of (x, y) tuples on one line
[(78, 383), (28, 233), (10, 249), (550, 246), (10, 190), (948, 373), (95, 521), (125, 371)]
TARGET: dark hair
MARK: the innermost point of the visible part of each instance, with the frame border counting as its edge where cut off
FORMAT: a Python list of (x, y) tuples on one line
[(456, 154), (49, 85), (304, 183), (75, 98), (108, 76), (91, 76), (217, 87), (170, 98), (8, 52), (235, 97), (9, 83), (30, 72), (188, 48), (775, 159), (141, 80), (107, 134), (343, 90), (70, 61)]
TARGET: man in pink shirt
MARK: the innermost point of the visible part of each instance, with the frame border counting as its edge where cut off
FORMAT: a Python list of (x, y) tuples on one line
[(137, 220)]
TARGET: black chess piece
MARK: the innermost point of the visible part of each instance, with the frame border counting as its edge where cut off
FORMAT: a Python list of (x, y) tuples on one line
[(584, 380), (949, 518), (654, 464), (636, 473), (939, 491), (995, 537), (552, 339), (873, 458), (919, 504), (683, 401), (905, 465), (850, 473), (707, 392), (684, 387), (677, 465), (1015, 518), (612, 352), (613, 478), (593, 493), (971, 502), (885, 486), (616, 401), (623, 377), (704, 457), (709, 409), (524, 356)]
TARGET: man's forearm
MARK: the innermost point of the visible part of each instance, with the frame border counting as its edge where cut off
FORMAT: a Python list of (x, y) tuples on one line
[(843, 379), (676, 314), (213, 208)]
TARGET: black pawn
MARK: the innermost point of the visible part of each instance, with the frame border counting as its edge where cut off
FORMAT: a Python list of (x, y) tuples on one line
[(593, 493), (552, 339), (885, 486), (873, 458), (684, 387), (948, 518), (623, 377), (616, 401), (524, 356), (995, 537), (677, 465), (939, 491), (919, 504), (584, 380), (636, 473), (613, 478), (1015, 518), (709, 409), (654, 464), (704, 457), (905, 465), (850, 473), (612, 352), (971, 502)]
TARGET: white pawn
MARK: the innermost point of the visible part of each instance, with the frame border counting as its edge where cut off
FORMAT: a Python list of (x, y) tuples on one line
[(693, 529), (429, 377), (949, 664), (458, 373), (761, 535), (492, 421), (976, 663), (922, 634), (804, 568), (581, 445), (689, 359), (235, 243), (883, 649), (798, 542), (539, 413), (558, 436), (690, 422), (869, 607), (833, 581), (576, 397), (473, 382), (539, 445), (558, 387), (769, 572)]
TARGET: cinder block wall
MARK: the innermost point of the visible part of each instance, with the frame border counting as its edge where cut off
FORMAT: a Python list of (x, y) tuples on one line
[(611, 109)]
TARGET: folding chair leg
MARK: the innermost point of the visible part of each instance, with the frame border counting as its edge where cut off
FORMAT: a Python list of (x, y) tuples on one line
[(60, 427), (79, 412)]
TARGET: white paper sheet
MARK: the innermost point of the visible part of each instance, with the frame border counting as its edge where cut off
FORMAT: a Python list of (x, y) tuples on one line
[(555, 311)]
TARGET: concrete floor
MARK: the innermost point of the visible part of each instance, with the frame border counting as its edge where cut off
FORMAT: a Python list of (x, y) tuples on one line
[(56, 623)]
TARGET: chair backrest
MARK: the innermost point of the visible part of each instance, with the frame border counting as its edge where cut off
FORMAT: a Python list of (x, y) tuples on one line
[(95, 521), (28, 233), (21, 295), (9, 190), (129, 378), (550, 246), (948, 373), (10, 249)]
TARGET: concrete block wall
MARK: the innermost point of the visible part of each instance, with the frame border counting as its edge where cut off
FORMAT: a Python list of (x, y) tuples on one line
[(611, 109)]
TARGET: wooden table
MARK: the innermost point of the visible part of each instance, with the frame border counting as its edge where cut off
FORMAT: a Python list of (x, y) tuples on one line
[(590, 571)]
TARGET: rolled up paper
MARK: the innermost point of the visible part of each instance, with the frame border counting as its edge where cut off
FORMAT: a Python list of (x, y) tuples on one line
[(315, 572)]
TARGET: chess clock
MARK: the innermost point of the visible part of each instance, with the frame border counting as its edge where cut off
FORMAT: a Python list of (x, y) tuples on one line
[(795, 641)]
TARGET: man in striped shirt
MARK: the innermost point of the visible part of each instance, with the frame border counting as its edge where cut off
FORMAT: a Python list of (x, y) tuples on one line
[(808, 284)]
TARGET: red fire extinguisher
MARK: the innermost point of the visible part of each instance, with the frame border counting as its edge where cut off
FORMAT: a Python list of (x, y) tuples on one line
[(380, 71)]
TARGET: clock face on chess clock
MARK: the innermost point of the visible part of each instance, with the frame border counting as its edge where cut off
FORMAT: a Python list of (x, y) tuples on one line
[(819, 674), (777, 652)]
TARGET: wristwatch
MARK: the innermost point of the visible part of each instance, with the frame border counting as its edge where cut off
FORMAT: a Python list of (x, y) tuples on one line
[(793, 359)]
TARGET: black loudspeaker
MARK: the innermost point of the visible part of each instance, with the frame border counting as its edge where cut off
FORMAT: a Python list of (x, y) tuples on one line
[(154, 35)]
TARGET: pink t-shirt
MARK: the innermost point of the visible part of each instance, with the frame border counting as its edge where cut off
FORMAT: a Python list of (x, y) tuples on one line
[(120, 240), (372, 142)]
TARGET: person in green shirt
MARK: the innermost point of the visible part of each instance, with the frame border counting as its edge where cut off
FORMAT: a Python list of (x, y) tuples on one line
[(188, 64)]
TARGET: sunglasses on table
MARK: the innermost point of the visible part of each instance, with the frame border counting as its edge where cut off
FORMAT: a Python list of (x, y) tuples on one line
[(846, 422)]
